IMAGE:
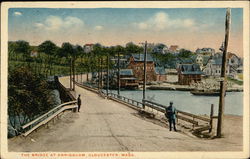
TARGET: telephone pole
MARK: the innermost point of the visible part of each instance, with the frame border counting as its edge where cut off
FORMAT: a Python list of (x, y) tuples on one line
[(70, 76), (145, 70), (223, 77), (118, 75), (107, 84)]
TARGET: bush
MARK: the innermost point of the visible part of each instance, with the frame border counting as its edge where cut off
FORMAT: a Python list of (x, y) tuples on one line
[(28, 95)]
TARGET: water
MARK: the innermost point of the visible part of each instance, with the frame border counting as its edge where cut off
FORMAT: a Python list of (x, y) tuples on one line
[(185, 101), (11, 130)]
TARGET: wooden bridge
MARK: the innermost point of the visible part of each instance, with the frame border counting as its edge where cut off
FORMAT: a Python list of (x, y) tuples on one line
[(106, 123)]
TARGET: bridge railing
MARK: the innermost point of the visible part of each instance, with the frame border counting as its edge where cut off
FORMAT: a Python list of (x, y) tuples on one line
[(126, 100), (45, 118), (195, 120)]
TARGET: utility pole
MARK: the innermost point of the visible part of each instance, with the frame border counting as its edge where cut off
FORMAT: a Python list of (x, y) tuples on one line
[(73, 73), (98, 73), (145, 71), (107, 84), (223, 77), (118, 76), (70, 76), (101, 73)]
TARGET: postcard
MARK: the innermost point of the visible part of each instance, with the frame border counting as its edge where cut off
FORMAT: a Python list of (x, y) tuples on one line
[(125, 80)]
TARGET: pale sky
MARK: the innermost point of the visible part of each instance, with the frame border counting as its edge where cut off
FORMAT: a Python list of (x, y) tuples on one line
[(190, 28)]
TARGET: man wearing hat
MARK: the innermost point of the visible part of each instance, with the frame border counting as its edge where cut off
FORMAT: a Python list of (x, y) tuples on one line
[(79, 102), (170, 114)]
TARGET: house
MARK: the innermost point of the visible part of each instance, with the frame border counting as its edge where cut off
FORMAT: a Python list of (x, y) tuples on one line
[(88, 48), (188, 73), (127, 79), (136, 63), (160, 48), (234, 60), (213, 67), (201, 60), (205, 51), (174, 49), (33, 54), (160, 74)]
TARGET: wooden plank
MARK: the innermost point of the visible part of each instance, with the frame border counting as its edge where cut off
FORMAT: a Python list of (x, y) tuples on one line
[(155, 107), (160, 105), (202, 129), (194, 116), (187, 119)]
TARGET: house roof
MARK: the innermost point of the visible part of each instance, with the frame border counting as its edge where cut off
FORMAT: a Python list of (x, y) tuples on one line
[(126, 72), (140, 57), (88, 44), (173, 47), (192, 69), (185, 60), (160, 70), (206, 59)]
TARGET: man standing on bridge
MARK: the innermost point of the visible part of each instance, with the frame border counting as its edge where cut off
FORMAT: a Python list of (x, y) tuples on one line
[(79, 102), (170, 114)]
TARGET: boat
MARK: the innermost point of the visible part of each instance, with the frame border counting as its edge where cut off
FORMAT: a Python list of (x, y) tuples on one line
[(205, 93)]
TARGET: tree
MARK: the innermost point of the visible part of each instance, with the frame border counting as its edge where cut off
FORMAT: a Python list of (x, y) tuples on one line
[(49, 48), (20, 47), (159, 48), (185, 53), (68, 52), (132, 48), (28, 96)]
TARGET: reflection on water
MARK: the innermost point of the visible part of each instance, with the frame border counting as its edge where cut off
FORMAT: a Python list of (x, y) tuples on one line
[(185, 101)]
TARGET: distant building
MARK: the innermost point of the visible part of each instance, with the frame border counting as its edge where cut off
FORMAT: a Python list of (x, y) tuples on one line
[(160, 74), (234, 60), (160, 49), (174, 49), (33, 54), (213, 67), (201, 60), (88, 48), (136, 63), (205, 51), (128, 79), (188, 73)]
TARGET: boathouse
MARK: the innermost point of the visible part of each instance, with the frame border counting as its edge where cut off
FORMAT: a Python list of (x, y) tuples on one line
[(188, 73), (128, 79)]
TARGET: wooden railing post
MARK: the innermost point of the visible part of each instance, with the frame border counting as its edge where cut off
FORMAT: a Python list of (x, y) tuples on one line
[(211, 118)]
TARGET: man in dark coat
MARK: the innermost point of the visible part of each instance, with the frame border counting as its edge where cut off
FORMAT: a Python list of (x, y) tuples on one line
[(170, 114), (79, 102)]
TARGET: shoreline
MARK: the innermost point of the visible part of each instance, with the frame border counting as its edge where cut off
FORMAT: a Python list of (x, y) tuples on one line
[(186, 88)]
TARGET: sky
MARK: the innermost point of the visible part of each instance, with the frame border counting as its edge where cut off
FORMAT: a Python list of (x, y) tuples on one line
[(190, 28)]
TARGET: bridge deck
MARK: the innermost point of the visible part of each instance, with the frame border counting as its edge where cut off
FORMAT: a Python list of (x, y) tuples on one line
[(104, 125)]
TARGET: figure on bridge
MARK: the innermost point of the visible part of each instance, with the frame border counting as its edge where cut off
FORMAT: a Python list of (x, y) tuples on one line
[(79, 102), (171, 115)]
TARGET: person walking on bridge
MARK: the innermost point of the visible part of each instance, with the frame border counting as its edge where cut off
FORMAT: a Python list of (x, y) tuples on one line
[(171, 115), (79, 102)]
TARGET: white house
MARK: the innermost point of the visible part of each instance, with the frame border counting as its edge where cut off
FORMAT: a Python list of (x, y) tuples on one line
[(88, 48), (213, 67)]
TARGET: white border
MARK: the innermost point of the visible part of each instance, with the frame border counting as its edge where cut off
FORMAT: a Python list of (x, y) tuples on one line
[(138, 4)]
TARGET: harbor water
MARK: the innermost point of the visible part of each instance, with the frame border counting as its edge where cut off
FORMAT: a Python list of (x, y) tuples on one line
[(185, 101)]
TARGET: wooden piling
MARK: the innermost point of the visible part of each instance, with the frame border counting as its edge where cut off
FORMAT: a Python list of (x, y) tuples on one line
[(211, 118)]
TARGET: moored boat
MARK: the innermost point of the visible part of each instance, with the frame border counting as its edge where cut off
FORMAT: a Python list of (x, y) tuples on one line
[(205, 92)]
